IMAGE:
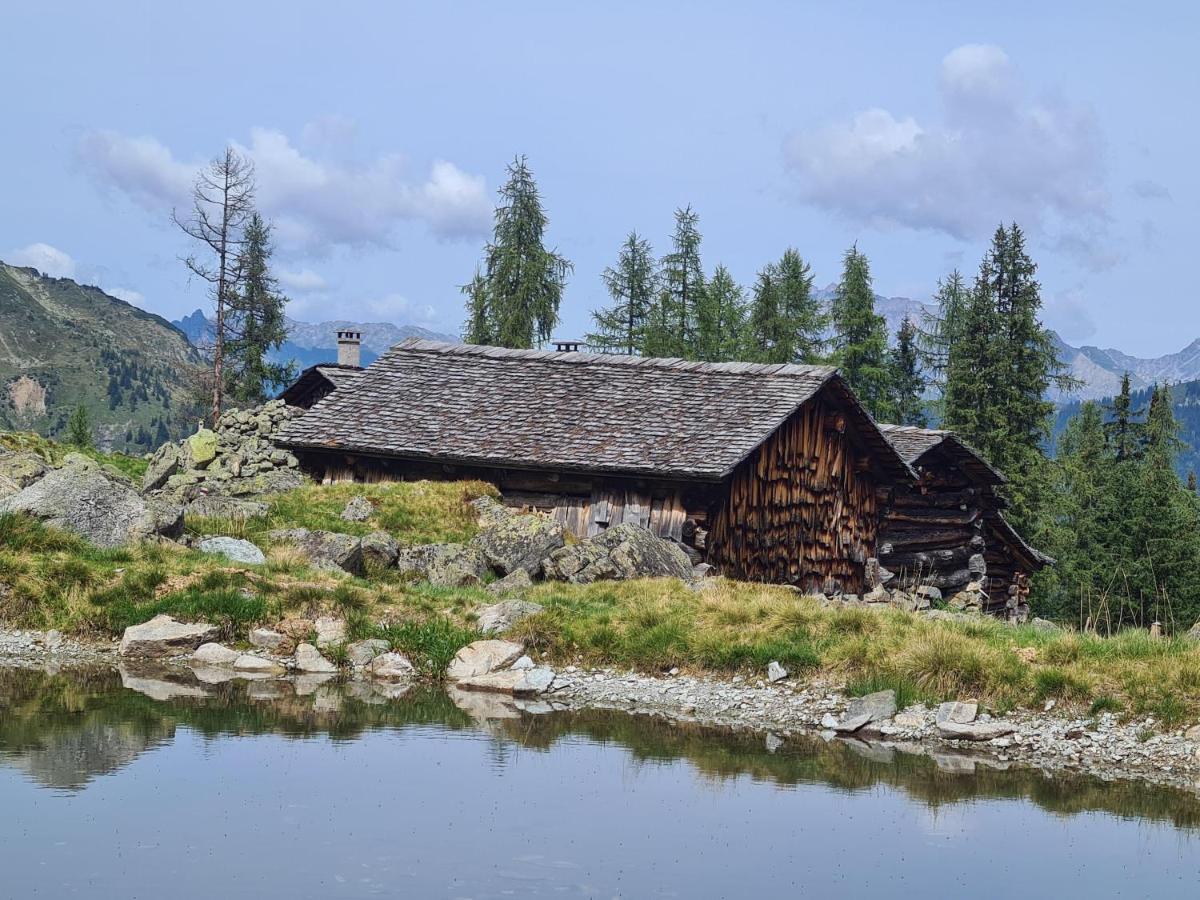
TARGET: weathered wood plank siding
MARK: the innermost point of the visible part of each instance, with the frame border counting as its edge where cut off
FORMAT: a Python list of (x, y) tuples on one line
[(802, 509)]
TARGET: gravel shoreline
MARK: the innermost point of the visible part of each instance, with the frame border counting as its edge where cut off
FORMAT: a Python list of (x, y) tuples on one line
[(1100, 745)]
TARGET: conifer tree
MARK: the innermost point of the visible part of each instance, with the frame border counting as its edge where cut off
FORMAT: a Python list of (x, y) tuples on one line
[(1124, 434), (517, 302), (860, 335), (681, 281), (764, 340), (941, 329), (255, 321), (633, 285), (803, 319), (721, 319), (907, 380), (79, 428)]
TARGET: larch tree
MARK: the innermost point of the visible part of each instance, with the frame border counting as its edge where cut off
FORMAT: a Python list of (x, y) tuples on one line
[(79, 428), (939, 330), (785, 322), (860, 335), (255, 322), (721, 319), (222, 203), (908, 380), (764, 341), (681, 289), (517, 302), (633, 285)]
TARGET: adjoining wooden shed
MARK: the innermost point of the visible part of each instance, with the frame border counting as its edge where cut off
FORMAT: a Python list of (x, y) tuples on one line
[(317, 382), (949, 529), (768, 472)]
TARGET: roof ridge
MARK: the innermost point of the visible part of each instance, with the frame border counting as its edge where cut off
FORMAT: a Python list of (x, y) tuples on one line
[(424, 345)]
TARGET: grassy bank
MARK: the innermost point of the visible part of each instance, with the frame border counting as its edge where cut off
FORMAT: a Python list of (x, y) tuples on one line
[(49, 579)]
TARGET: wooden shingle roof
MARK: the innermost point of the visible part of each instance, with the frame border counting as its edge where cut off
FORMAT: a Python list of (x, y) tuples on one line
[(913, 443), (578, 411)]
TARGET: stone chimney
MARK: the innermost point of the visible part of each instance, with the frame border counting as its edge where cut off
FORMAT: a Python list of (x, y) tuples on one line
[(349, 348)]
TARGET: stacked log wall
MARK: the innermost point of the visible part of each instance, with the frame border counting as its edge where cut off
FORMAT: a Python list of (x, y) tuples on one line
[(802, 509)]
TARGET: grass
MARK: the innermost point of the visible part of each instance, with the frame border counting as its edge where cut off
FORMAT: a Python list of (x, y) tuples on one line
[(51, 579)]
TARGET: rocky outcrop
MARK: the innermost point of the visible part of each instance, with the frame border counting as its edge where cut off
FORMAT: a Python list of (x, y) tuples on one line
[(443, 565), (512, 542), (236, 459), (95, 503), (233, 549), (482, 658), (623, 551), (502, 616), (164, 636), (21, 469)]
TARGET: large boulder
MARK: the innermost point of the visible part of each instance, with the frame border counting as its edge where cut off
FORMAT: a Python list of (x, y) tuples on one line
[(443, 565), (163, 464), (95, 503), (164, 636), (309, 659), (483, 657), (199, 450), (379, 550), (511, 542), (864, 710), (518, 682), (22, 469), (327, 550), (391, 667), (233, 549), (504, 615), (623, 551)]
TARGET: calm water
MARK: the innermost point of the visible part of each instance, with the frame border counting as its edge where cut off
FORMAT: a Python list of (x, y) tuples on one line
[(162, 789)]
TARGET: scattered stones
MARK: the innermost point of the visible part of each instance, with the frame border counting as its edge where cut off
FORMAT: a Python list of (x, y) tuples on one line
[(309, 659), (234, 549), (502, 616), (482, 657), (268, 639), (214, 655), (776, 672), (257, 665), (95, 503), (330, 631), (513, 583), (163, 636), (621, 552), (867, 709), (443, 565), (391, 667), (363, 653), (359, 509), (512, 542)]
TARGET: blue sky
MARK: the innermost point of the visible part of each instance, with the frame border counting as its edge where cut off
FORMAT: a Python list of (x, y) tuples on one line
[(380, 133)]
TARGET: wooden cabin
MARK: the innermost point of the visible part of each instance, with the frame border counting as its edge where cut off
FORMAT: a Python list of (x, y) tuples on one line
[(949, 529), (768, 472), (317, 382)]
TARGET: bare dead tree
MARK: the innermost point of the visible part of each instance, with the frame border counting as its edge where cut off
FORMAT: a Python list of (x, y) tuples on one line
[(222, 202)]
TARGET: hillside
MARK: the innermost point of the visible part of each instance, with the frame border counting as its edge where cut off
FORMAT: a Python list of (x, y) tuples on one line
[(311, 343), (62, 344)]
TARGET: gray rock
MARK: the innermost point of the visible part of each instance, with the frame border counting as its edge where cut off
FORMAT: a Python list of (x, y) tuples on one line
[(501, 616), (443, 565), (359, 509), (363, 653), (267, 639), (22, 469), (483, 657), (776, 672), (327, 550), (518, 682), (163, 465), (217, 506), (379, 551), (330, 631), (623, 551), (523, 664), (391, 667), (214, 655), (1192, 734), (309, 659), (164, 636), (234, 549), (258, 665), (511, 542), (957, 713), (1047, 625), (928, 593), (513, 583), (862, 711), (85, 498), (975, 731)]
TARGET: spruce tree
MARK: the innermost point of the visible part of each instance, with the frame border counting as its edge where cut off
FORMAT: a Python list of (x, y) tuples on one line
[(681, 280), (1124, 434), (907, 380), (79, 428), (860, 336), (764, 339), (255, 322), (721, 319), (941, 329), (633, 285), (803, 319), (517, 302)]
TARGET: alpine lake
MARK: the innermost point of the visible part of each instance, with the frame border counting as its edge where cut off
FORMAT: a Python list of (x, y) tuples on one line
[(126, 786)]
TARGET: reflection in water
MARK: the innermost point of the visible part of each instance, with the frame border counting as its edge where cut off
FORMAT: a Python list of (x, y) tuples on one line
[(66, 728)]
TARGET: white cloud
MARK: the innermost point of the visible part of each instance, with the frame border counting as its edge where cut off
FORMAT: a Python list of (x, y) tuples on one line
[(996, 154), (304, 280), (46, 259), (315, 203), (395, 307), (127, 294), (1068, 314), (1149, 189)]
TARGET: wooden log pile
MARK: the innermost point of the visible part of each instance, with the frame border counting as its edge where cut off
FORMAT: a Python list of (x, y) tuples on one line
[(802, 509)]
